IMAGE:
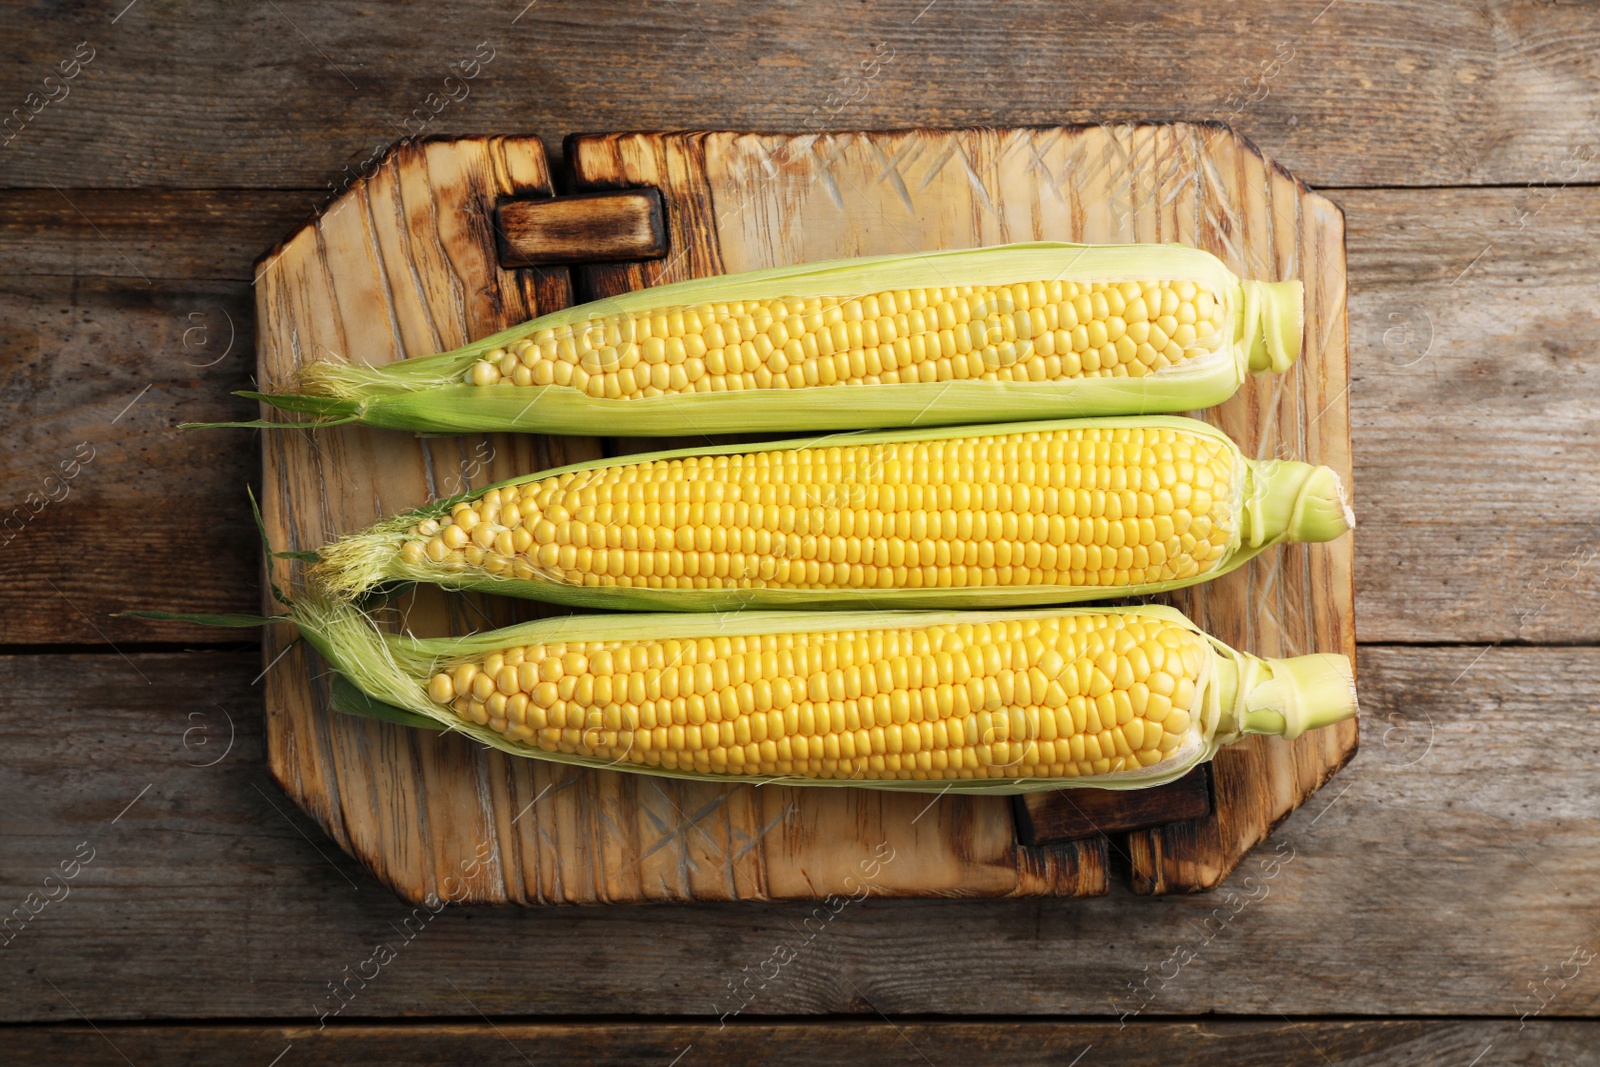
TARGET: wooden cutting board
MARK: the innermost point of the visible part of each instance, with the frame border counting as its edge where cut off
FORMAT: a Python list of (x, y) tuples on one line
[(407, 262)]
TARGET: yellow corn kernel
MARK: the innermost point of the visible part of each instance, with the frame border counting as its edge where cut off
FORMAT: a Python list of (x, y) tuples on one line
[(789, 708), (1010, 333), (1087, 506)]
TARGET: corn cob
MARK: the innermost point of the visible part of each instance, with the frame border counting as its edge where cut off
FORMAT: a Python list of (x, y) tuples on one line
[(981, 702), (1014, 332), (1014, 514)]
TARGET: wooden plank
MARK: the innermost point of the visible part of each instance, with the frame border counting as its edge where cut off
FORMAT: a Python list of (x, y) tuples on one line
[(1423, 574), (146, 235), (1354, 906), (98, 489), (1445, 93), (587, 228), (1000, 1043), (1476, 415)]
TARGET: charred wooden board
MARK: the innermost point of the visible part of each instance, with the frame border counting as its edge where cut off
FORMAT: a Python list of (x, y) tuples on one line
[(408, 263)]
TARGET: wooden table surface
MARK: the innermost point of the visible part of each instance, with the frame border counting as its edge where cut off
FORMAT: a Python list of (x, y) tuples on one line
[(162, 902)]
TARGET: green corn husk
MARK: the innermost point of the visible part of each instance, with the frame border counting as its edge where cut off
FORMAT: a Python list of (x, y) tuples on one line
[(1274, 501), (432, 395), (385, 676)]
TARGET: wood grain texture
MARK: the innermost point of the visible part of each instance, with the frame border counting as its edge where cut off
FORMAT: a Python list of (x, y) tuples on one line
[(97, 487), (211, 897), (582, 229), (748, 201), (300, 95), (996, 1043), (146, 235), (1476, 411)]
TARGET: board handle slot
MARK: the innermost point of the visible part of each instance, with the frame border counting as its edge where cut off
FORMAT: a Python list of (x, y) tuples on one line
[(602, 227)]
